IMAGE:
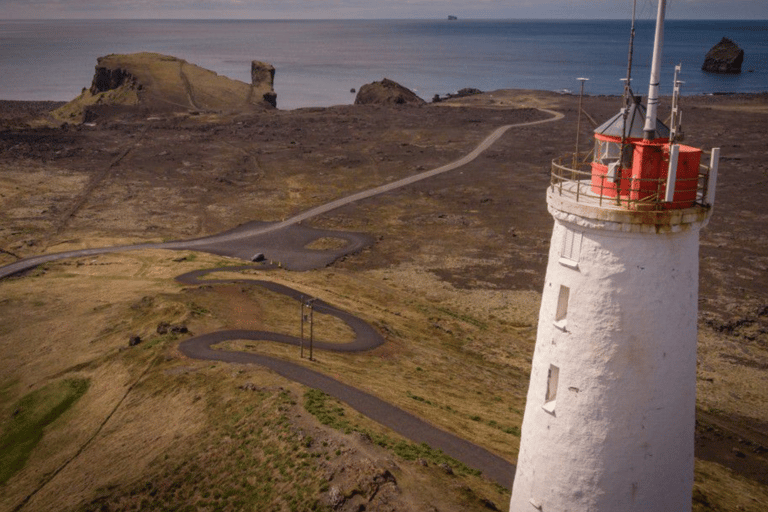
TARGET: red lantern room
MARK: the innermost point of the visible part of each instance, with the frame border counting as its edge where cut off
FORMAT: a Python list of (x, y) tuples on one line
[(628, 167)]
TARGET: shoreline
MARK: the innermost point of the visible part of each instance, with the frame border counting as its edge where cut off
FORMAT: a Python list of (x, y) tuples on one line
[(15, 109)]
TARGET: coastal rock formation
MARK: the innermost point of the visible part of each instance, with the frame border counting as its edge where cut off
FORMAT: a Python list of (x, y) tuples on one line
[(461, 93), (386, 92), (263, 81), (725, 57), (154, 83)]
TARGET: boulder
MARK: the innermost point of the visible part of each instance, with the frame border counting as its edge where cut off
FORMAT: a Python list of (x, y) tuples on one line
[(166, 328), (386, 92), (724, 57)]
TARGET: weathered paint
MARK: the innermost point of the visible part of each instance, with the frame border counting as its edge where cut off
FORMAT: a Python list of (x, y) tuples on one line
[(619, 434)]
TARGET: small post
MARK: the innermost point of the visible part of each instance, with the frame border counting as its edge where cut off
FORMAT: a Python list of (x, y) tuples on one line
[(578, 122), (311, 326), (301, 320), (714, 159)]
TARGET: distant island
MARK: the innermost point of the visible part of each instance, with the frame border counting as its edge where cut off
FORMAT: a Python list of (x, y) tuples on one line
[(452, 17)]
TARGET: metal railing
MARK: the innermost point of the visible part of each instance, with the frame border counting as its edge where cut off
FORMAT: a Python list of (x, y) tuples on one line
[(572, 177)]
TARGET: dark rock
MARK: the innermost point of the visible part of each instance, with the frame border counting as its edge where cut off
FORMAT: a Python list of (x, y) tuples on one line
[(386, 92), (467, 91), (384, 477), (488, 504), (724, 57), (179, 329), (461, 93), (134, 340), (165, 328), (263, 81), (445, 467), (106, 79)]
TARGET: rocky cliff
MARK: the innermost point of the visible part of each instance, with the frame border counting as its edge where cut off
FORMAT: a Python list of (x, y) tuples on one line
[(150, 82)]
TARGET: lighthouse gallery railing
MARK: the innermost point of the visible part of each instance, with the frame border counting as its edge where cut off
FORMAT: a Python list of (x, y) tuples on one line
[(572, 178)]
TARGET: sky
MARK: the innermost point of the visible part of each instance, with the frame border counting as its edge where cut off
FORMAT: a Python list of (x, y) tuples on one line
[(377, 9)]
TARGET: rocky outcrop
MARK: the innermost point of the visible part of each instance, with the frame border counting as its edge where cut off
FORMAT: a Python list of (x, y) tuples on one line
[(263, 81), (386, 92), (725, 57), (106, 79), (461, 93), (150, 83)]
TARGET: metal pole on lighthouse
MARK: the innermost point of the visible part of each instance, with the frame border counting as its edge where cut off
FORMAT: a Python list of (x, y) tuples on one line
[(649, 131)]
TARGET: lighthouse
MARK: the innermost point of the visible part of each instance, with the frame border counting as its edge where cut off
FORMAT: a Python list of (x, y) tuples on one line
[(610, 412)]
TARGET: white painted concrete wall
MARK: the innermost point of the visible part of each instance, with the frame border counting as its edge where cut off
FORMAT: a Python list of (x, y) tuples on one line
[(619, 435)]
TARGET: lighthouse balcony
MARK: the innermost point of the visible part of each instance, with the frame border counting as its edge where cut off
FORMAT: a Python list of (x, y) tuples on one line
[(607, 184)]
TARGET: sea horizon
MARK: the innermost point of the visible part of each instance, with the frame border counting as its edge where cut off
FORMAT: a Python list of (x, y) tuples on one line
[(318, 62)]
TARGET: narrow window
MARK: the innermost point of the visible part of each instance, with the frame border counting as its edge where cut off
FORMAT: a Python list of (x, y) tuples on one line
[(553, 376), (571, 249), (550, 399), (562, 303), (561, 314)]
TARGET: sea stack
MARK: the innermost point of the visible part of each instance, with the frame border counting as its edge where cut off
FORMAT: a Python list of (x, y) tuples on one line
[(263, 81), (725, 57)]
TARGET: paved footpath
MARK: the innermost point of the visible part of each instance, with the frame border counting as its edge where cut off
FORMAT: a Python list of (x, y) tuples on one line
[(222, 243), (366, 338)]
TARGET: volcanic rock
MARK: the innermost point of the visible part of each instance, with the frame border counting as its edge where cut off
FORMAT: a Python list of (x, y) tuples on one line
[(150, 83), (386, 92), (263, 81), (725, 57)]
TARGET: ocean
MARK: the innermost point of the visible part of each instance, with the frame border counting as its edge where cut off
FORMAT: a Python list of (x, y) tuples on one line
[(319, 62)]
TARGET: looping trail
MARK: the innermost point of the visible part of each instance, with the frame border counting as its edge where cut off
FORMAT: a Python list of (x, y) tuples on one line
[(366, 338)]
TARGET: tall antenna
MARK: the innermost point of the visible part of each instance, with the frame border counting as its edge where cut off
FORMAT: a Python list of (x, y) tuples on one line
[(649, 131), (578, 123), (675, 133), (628, 96)]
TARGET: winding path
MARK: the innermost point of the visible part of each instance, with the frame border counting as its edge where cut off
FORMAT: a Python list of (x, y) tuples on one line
[(366, 338), (247, 238)]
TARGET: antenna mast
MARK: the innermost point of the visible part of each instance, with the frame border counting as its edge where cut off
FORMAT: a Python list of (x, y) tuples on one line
[(628, 96), (649, 130), (675, 121)]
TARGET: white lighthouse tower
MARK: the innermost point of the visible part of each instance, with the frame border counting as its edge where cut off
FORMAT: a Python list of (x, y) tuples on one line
[(610, 414)]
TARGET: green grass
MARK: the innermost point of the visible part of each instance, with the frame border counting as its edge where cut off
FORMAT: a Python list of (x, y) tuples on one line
[(31, 415), (249, 457)]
